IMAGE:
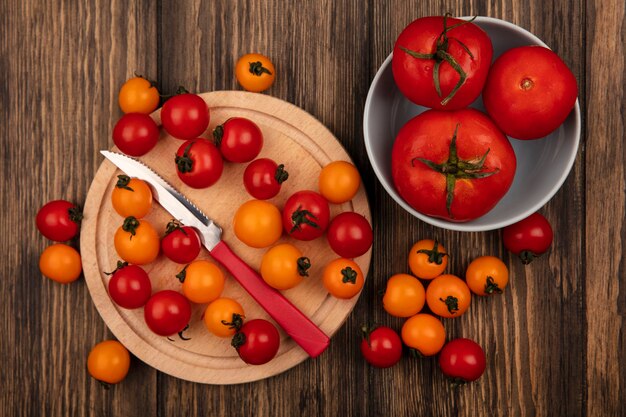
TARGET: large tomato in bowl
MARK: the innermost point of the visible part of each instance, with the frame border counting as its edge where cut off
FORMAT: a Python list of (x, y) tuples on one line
[(454, 165), (441, 62)]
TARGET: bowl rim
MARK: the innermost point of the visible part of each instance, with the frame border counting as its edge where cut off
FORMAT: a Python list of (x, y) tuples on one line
[(468, 226)]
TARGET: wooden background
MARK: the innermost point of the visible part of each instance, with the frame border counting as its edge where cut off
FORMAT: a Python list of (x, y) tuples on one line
[(555, 341)]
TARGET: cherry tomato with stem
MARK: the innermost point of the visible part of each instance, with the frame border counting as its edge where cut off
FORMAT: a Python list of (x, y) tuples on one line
[(487, 275), (463, 360), (283, 266), (428, 259), (238, 139), (339, 182), (343, 278), (135, 134), (167, 312), (404, 296), (306, 215), (424, 334), (257, 341), (203, 281), (263, 178), (108, 362), (60, 263), (381, 347), (528, 238), (59, 220), (223, 317), (350, 235), (136, 241), (139, 95), (255, 72), (129, 286), (180, 244), (198, 163), (257, 223), (131, 197), (448, 296), (185, 116)]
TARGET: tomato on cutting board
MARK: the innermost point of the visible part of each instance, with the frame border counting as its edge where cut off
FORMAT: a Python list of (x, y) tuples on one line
[(135, 134), (185, 116), (306, 215), (198, 163), (223, 317), (238, 139), (258, 223), (129, 286), (167, 312), (180, 244), (263, 178), (131, 197), (203, 281), (257, 341), (284, 266), (136, 241)]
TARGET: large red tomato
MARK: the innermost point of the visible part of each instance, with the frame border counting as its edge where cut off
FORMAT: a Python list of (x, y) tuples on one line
[(453, 165), (529, 92), (441, 62)]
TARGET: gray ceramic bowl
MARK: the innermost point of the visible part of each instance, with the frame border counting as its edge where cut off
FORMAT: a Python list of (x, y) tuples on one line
[(542, 164)]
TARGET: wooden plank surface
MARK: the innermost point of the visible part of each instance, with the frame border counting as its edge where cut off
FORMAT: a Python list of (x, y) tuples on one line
[(554, 340)]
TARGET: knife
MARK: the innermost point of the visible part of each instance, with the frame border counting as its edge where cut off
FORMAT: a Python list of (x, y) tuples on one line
[(298, 326)]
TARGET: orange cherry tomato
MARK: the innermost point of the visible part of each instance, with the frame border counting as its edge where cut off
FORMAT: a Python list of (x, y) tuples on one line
[(108, 362), (339, 182), (424, 333), (136, 241), (60, 263), (138, 95), (202, 280), (223, 317), (448, 296), (284, 266), (131, 197), (404, 296), (343, 278), (255, 72), (487, 275), (258, 223), (427, 259)]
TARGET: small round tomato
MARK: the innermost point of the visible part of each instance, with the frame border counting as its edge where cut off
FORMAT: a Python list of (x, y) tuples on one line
[(108, 362), (339, 182), (427, 259), (136, 241), (263, 178), (131, 197), (202, 280), (238, 139), (448, 296), (257, 342), (180, 244), (404, 296), (185, 116), (138, 95), (529, 92), (463, 360), (59, 220), (60, 263), (528, 238), (343, 278), (129, 286), (487, 275), (199, 163), (381, 347), (255, 72), (167, 312), (306, 215), (350, 235), (424, 333), (135, 134), (223, 317), (257, 224), (284, 266)]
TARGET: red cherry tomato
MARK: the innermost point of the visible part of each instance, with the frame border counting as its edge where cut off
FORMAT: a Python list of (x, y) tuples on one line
[(306, 215), (529, 92), (199, 163), (185, 116), (350, 234), (135, 134), (130, 286), (167, 312), (180, 243), (257, 342), (462, 360), (381, 347), (59, 220), (263, 178), (238, 139), (529, 237)]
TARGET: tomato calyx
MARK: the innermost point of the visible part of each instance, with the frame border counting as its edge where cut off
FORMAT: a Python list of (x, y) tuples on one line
[(181, 90), (455, 168), (527, 256), (184, 163), (180, 335), (434, 256), (281, 174), (119, 266), (218, 134), (452, 303), (441, 54), (491, 286), (416, 353), (349, 275), (235, 323), (182, 274), (238, 340), (75, 214), (173, 226), (122, 182), (457, 382), (300, 216), (258, 69), (304, 264), (130, 225)]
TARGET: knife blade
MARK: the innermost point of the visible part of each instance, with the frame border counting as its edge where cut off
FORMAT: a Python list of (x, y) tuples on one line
[(297, 325)]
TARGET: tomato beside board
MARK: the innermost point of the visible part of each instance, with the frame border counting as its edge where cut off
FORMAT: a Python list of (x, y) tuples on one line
[(381, 347), (463, 360), (528, 238), (59, 220)]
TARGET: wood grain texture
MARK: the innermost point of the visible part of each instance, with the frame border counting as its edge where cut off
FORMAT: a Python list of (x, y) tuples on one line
[(554, 340)]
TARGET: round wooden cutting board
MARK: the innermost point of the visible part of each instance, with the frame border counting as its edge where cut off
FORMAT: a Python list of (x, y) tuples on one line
[(291, 137)]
